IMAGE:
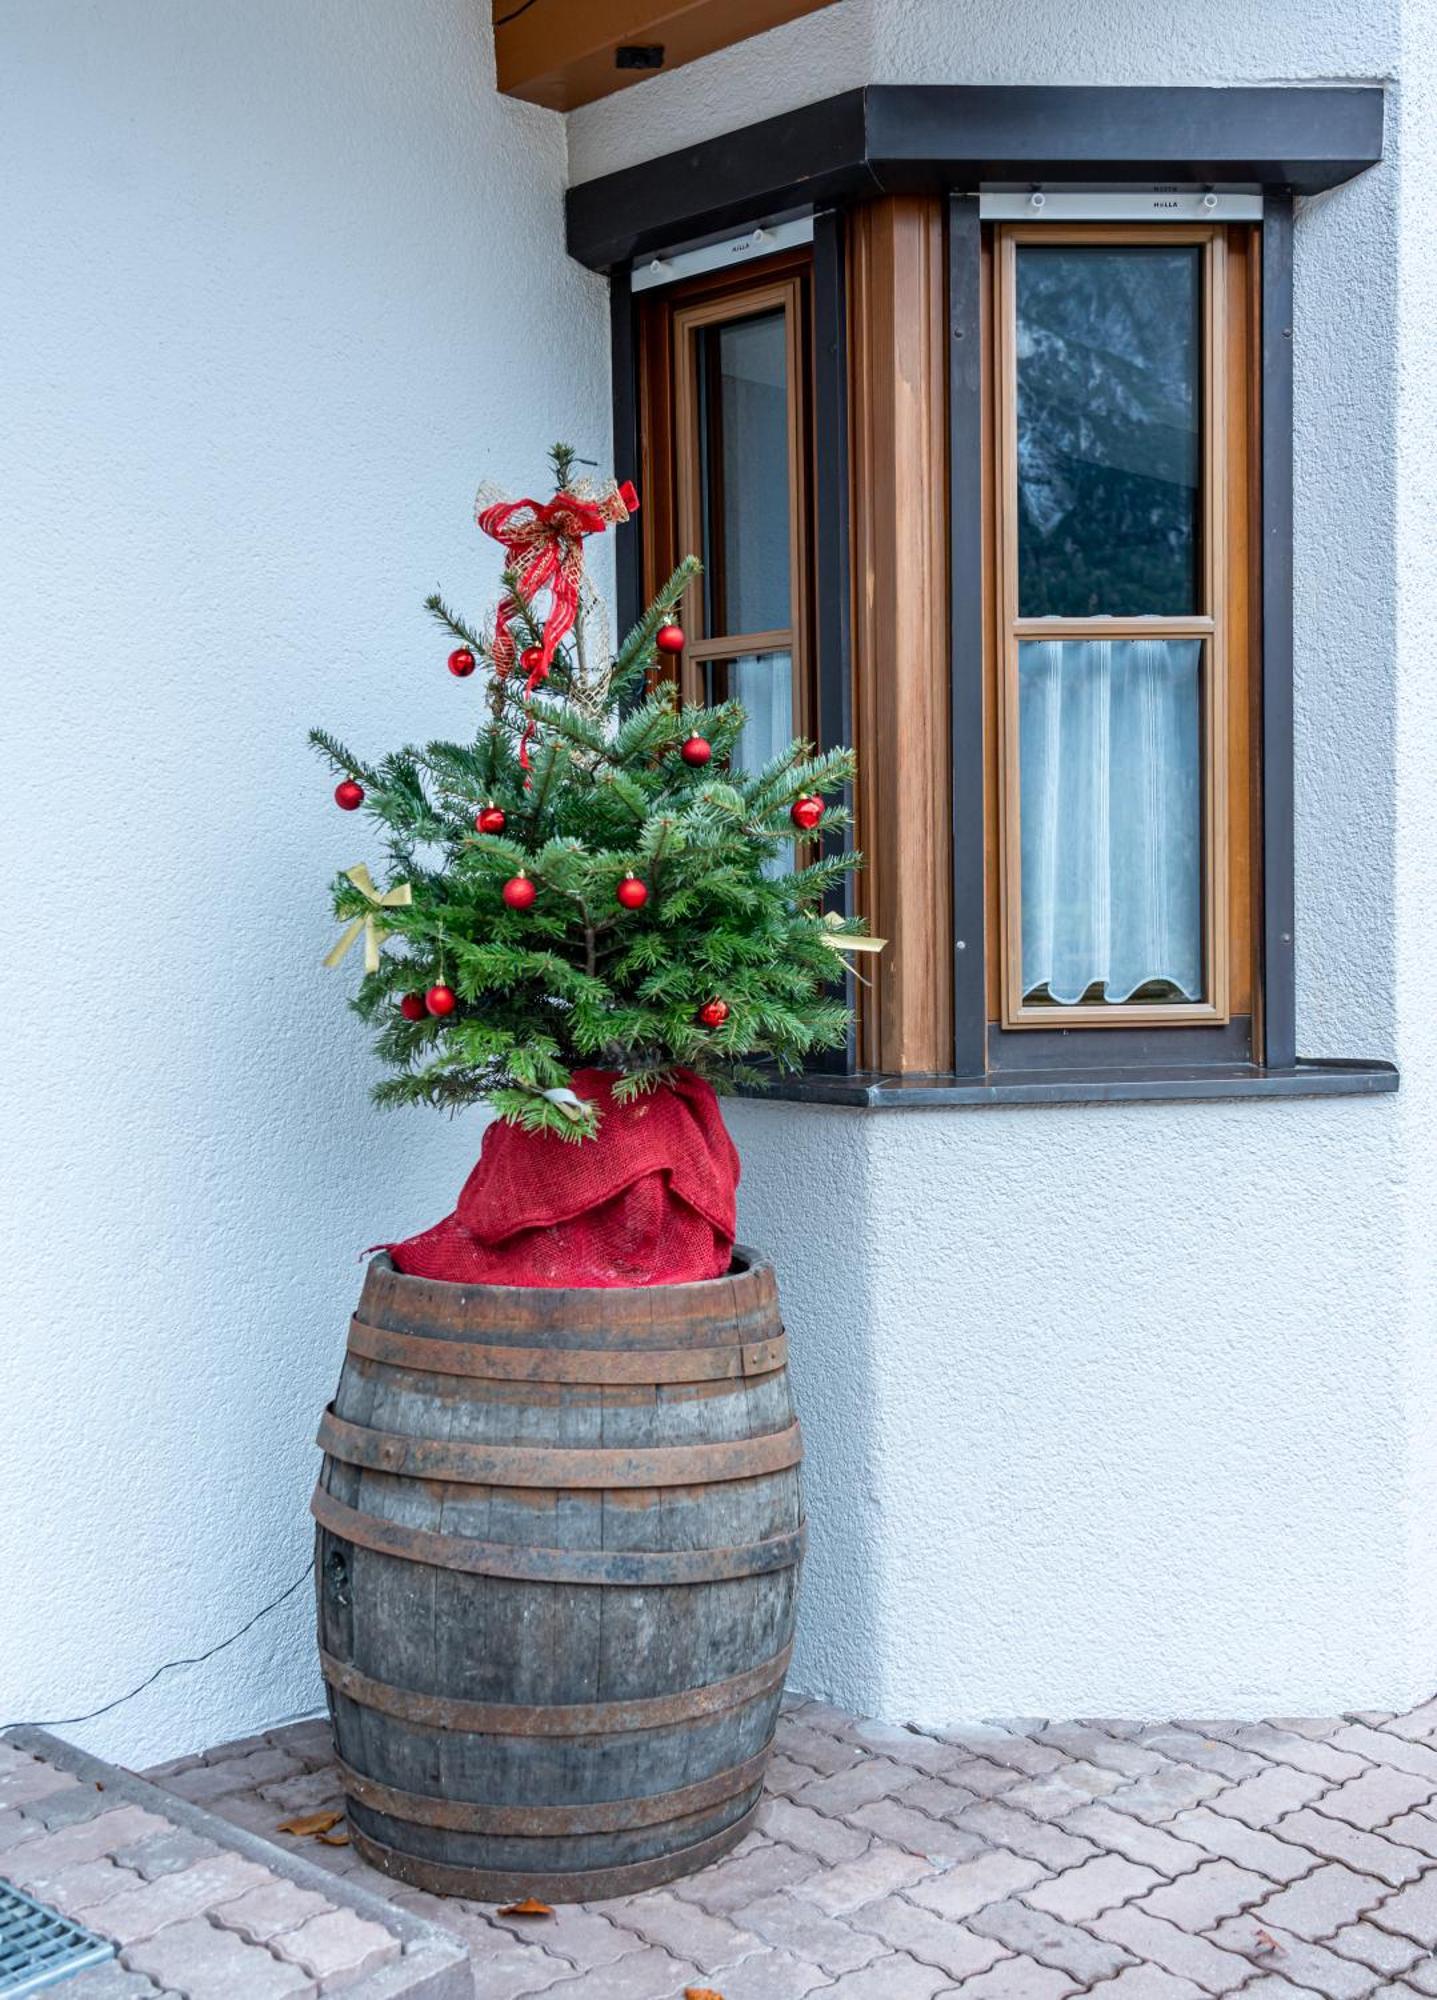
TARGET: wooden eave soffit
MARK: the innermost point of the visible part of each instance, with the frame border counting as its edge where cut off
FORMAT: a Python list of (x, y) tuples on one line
[(563, 53)]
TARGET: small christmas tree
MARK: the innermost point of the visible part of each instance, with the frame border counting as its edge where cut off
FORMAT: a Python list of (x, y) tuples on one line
[(588, 882)]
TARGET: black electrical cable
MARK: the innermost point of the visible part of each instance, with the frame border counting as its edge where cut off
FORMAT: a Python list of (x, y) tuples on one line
[(523, 8), (64, 1721)]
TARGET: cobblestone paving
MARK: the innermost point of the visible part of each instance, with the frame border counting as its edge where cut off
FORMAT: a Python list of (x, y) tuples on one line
[(1026, 1860)]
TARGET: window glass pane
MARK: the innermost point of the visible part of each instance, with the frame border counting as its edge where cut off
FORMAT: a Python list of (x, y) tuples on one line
[(743, 442), (763, 684), (1109, 360), (1110, 809)]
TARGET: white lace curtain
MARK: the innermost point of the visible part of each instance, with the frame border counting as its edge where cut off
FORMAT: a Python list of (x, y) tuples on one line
[(1111, 815)]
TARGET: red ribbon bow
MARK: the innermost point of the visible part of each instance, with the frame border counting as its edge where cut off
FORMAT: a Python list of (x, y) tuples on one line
[(544, 544)]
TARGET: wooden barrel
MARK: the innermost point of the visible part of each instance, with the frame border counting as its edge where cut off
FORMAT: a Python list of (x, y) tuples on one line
[(558, 1553)]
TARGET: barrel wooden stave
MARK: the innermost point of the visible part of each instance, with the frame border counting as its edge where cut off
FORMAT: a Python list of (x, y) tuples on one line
[(458, 1793)]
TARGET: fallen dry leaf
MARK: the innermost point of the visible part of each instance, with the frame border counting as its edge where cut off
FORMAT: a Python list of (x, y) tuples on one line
[(527, 1906), (701, 1993), (307, 1823), (1267, 1942), (340, 1839)]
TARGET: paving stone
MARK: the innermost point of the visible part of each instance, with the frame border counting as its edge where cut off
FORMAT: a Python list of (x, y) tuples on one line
[(1095, 1886), (1019, 1979), (938, 1797), (1376, 1797), (951, 1947), (798, 1927), (1027, 1754), (304, 1793), (743, 1877), (1385, 1951), (1147, 1845), (982, 1776), (1423, 1976), (70, 1807), (976, 1738), (203, 1963), (1048, 1939), (1125, 1732), (208, 1783), (88, 1885), (646, 1974), (1161, 1943), (15, 1828), (336, 1944), (915, 1832), (812, 1832), (1412, 1912), (90, 1840), (1272, 1986), (685, 1929), (1088, 1745), (1322, 1902), (877, 1872), (1277, 1790), (768, 1975), (896, 1977), (1202, 1900), (241, 1746), (1411, 1830), (1296, 1959), (1202, 1752), (1318, 1727), (1264, 1853), (160, 1774), (1286, 1746), (842, 1792), (906, 1746), (1368, 1853), (1164, 1793), (27, 1783), (110, 1982), (311, 1741), (580, 1935), (517, 1974), (1380, 1746), (1418, 1725), (783, 1777), (816, 1713), (262, 1913), (1002, 1826), (814, 1747), (165, 1853), (1150, 1982), (1063, 1791), (972, 1885), (172, 1899)]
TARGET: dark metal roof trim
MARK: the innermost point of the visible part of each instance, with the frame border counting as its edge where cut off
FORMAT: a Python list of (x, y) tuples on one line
[(908, 138)]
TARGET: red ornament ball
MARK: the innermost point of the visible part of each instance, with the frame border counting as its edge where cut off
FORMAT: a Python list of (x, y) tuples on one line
[(441, 1000), (670, 638), (714, 1013), (412, 1007), (806, 811), (531, 659), (348, 796), (519, 892), (462, 662), (632, 893), (696, 751), (492, 819)]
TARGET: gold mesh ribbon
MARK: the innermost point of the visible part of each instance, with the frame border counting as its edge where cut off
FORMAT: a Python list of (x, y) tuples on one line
[(399, 897)]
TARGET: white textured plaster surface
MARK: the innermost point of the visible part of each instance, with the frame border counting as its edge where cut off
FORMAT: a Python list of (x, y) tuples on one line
[(283, 282)]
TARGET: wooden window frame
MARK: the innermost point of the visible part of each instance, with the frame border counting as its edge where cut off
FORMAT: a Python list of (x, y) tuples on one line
[(669, 420), (1209, 627)]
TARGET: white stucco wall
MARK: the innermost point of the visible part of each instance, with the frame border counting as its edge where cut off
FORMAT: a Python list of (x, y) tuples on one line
[(1131, 1410), (282, 282)]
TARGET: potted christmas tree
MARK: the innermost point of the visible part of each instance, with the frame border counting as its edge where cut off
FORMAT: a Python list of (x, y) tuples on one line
[(559, 1519)]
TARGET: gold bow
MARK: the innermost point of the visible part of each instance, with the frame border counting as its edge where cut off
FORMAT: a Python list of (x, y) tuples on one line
[(399, 897), (848, 942)]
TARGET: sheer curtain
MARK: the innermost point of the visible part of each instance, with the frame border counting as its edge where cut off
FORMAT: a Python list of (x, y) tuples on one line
[(1111, 815)]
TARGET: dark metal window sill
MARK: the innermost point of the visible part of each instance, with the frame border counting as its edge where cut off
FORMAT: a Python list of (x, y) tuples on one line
[(1333, 1078)]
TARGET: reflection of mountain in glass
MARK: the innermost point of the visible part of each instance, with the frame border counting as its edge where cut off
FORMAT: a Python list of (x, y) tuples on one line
[(1109, 358)]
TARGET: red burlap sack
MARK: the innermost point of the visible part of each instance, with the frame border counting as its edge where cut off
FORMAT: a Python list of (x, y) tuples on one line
[(649, 1202)]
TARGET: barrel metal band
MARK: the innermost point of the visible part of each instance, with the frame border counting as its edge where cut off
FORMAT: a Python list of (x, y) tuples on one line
[(543, 1466), (584, 1718), (522, 1563), (601, 1816), (567, 1364), (586, 1885)]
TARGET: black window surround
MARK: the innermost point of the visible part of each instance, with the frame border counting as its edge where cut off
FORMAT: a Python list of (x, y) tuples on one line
[(954, 139)]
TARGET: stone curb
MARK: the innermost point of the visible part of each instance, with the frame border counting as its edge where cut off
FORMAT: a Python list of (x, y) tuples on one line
[(433, 1963)]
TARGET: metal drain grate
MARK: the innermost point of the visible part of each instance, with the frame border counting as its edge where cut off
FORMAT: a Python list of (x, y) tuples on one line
[(38, 1946)]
